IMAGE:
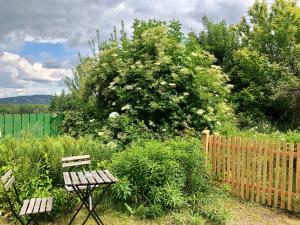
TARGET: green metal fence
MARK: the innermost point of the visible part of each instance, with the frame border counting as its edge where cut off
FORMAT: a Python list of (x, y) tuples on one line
[(39, 125)]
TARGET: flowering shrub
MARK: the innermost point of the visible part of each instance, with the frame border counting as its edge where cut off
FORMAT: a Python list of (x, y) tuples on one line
[(159, 77)]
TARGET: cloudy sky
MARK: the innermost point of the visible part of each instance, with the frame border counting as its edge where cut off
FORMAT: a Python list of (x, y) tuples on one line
[(40, 39)]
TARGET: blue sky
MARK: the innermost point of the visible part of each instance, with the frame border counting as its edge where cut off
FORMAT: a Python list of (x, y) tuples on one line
[(40, 52), (40, 40)]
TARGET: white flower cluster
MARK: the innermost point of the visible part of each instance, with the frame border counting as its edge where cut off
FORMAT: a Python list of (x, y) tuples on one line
[(114, 115), (126, 107)]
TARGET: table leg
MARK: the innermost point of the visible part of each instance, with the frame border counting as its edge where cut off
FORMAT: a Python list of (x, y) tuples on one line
[(75, 214), (85, 201)]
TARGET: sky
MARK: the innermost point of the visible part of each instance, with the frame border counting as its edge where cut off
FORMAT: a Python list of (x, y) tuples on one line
[(40, 39)]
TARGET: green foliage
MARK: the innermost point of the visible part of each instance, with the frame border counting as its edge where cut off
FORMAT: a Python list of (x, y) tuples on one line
[(265, 66), (266, 132), (154, 177), (261, 57), (210, 205), (159, 176), (159, 78), (220, 40), (23, 108), (64, 102), (37, 164)]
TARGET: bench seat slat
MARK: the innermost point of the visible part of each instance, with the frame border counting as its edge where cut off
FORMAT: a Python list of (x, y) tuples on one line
[(30, 207), (49, 204), (43, 205), (24, 207), (37, 206)]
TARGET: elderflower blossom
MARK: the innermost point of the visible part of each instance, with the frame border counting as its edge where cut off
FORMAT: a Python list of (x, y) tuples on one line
[(126, 107), (113, 115), (129, 87), (200, 111), (101, 133), (184, 71)]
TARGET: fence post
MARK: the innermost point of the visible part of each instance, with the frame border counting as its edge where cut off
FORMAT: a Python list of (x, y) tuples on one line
[(204, 138), (298, 171)]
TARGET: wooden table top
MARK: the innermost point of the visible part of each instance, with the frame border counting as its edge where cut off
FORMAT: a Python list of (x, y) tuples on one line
[(89, 178)]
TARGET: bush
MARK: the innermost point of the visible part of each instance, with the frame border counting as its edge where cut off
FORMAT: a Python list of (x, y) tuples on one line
[(156, 176), (160, 77)]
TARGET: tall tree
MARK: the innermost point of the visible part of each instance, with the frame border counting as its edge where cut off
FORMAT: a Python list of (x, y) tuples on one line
[(261, 54), (219, 39), (273, 33)]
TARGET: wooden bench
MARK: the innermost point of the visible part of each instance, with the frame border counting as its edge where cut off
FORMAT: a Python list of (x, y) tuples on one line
[(30, 207)]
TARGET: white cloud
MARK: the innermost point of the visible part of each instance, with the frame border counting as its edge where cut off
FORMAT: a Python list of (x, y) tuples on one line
[(40, 39), (74, 23), (18, 75)]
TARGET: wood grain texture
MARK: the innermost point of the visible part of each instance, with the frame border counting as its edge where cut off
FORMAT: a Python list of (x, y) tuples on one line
[(258, 177), (265, 171), (277, 171), (283, 177), (290, 177), (271, 171), (248, 174)]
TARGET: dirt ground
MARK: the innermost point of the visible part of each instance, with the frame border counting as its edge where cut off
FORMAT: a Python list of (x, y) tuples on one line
[(243, 213)]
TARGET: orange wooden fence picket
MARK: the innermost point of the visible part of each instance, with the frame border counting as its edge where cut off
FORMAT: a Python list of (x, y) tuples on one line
[(263, 171)]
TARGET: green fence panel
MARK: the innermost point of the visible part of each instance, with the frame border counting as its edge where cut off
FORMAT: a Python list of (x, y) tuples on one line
[(53, 125), (60, 119), (47, 129), (9, 126), (17, 124), (39, 125), (32, 124), (2, 126), (25, 123)]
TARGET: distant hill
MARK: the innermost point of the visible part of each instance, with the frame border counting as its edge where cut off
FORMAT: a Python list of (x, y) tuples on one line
[(30, 99)]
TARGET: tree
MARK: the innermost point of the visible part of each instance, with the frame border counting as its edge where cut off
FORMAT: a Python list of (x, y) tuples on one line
[(261, 55), (159, 77), (220, 40), (273, 34)]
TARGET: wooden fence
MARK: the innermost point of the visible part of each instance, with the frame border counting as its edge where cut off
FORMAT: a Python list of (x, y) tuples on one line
[(262, 171), (39, 125)]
